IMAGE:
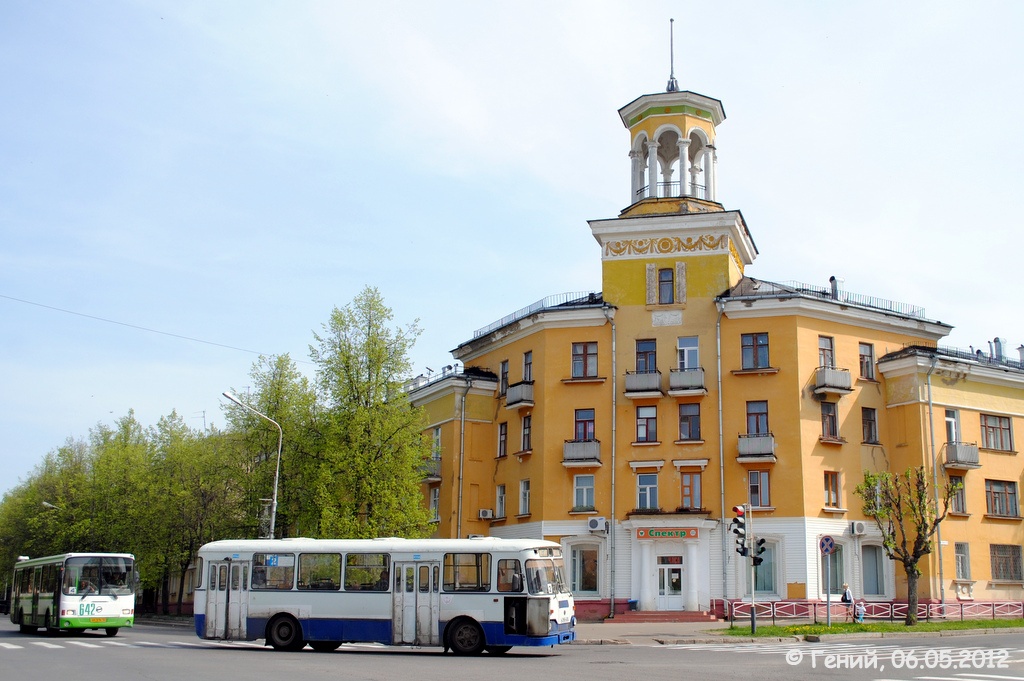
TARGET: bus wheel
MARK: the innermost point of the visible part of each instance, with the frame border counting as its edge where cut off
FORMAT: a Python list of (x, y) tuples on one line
[(324, 646), (466, 637), (498, 650), (111, 631), (284, 633)]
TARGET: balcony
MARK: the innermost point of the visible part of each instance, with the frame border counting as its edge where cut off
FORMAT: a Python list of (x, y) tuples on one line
[(519, 395), (581, 453), (431, 469), (682, 382), (832, 381), (641, 385), (756, 447), (962, 455)]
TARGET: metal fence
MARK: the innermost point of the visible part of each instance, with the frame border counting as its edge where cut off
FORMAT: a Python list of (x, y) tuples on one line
[(893, 612)]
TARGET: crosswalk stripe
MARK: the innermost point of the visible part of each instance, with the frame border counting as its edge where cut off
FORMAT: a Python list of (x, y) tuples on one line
[(11, 646), (83, 644), (44, 644)]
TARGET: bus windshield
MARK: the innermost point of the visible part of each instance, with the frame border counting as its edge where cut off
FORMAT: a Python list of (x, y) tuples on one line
[(545, 576), (99, 575)]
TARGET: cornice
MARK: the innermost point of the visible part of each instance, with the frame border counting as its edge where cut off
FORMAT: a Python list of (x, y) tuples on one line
[(672, 103), (688, 233)]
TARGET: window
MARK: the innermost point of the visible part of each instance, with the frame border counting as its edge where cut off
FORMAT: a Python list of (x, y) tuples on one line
[(952, 425), (273, 570), (647, 424), (467, 572), (527, 439), (499, 501), (584, 569), (1006, 562), (754, 347), (1001, 498), (503, 386), (435, 448), (367, 571), (962, 554), (757, 489), (584, 425), (867, 361), (524, 497), (584, 360), (765, 583), (502, 439), (689, 421), (666, 286), (829, 421), (689, 484), (873, 561), (528, 365), (435, 504), (320, 571), (646, 356), (835, 585), (832, 490), (689, 357), (995, 433), (583, 493), (757, 418), (869, 425), (826, 352), (958, 502), (647, 491), (508, 570)]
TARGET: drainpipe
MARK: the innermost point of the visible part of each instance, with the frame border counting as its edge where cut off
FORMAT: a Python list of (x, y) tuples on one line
[(462, 450), (721, 452), (935, 482), (610, 316)]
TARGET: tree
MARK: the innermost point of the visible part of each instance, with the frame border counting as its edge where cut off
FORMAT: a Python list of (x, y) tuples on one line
[(374, 448), (906, 511)]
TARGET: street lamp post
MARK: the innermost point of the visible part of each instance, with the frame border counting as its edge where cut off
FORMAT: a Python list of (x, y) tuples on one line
[(277, 471)]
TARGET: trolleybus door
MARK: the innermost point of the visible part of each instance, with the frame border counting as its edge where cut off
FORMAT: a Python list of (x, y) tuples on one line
[(416, 604), (227, 600)]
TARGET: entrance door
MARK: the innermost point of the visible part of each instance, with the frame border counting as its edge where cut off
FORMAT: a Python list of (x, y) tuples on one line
[(670, 582), (227, 600), (416, 604)]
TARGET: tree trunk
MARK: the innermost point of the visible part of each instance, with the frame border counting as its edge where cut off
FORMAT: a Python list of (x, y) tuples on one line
[(912, 578)]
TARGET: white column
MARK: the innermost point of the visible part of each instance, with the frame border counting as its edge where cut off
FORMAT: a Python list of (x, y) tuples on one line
[(636, 172), (693, 574), (652, 169), (647, 577), (684, 167), (714, 174), (709, 182)]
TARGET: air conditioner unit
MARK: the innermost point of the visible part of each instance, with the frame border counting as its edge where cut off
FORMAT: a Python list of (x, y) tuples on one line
[(858, 528), (486, 514), (597, 524)]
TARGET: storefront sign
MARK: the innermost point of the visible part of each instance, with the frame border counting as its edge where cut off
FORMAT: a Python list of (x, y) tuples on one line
[(667, 533)]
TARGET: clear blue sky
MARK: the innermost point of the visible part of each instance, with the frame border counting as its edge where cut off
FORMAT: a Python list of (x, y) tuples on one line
[(226, 173)]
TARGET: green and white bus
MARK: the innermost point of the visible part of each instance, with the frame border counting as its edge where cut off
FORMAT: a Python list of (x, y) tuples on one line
[(74, 591)]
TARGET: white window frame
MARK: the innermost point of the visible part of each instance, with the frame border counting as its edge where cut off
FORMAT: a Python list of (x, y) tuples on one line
[(583, 492), (524, 496)]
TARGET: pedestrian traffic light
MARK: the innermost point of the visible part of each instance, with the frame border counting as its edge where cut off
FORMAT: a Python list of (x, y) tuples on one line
[(739, 528), (758, 550)]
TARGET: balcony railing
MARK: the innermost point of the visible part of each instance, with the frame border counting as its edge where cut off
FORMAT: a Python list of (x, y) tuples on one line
[(832, 380), (519, 394), (581, 451), (431, 468), (757, 444), (646, 382), (680, 380), (962, 455)]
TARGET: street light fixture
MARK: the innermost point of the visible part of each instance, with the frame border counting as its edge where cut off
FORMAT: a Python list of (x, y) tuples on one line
[(277, 471), (47, 504)]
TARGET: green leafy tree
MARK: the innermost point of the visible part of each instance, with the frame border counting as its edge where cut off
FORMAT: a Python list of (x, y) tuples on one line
[(374, 448), (906, 511)]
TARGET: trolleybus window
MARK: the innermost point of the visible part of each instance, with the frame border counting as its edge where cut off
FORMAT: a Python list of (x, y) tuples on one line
[(320, 571), (273, 571), (510, 575), (467, 572), (367, 571), (545, 576)]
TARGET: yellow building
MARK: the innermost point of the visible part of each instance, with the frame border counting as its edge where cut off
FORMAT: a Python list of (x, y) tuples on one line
[(626, 424)]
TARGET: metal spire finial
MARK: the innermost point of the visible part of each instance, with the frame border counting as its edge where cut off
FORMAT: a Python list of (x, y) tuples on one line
[(672, 86)]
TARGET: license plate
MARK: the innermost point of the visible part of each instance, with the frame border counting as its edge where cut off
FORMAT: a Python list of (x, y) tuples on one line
[(97, 619)]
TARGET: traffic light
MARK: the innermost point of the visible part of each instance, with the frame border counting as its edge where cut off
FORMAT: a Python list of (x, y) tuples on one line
[(739, 528), (758, 550)]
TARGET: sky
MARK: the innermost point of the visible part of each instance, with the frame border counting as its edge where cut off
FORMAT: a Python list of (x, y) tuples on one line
[(187, 185)]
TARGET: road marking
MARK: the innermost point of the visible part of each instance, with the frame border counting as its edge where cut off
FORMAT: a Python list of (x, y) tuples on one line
[(44, 644), (83, 644), (11, 646)]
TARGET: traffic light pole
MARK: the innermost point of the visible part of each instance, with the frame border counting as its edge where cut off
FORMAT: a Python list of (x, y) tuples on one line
[(751, 544)]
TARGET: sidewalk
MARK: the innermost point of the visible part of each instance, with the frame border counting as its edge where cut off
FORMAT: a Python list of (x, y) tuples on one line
[(653, 633)]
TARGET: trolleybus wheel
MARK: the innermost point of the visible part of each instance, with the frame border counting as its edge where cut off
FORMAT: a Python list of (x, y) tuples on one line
[(25, 628), (284, 633), (466, 637), (324, 646)]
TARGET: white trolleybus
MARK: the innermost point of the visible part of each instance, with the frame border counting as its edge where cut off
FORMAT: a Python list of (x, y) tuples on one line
[(466, 595), (74, 591)]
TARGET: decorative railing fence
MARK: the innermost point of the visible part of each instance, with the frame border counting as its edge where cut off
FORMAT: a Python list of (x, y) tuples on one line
[(818, 612)]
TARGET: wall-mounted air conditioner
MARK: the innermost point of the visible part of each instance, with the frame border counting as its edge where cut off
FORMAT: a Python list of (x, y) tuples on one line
[(858, 528), (486, 514), (597, 524)]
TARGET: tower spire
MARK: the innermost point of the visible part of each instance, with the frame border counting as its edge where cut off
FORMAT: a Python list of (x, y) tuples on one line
[(672, 86)]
